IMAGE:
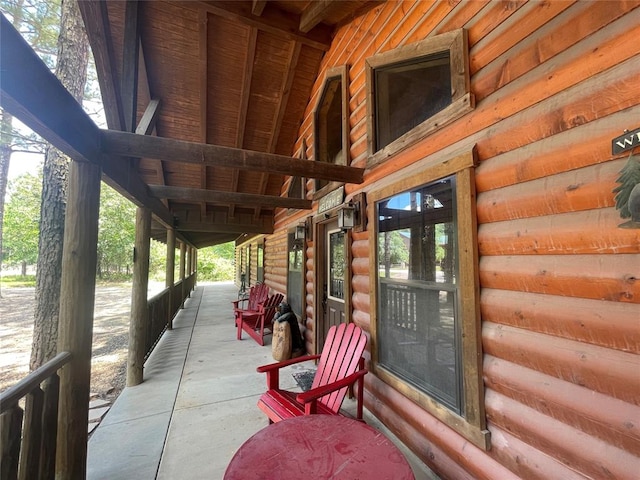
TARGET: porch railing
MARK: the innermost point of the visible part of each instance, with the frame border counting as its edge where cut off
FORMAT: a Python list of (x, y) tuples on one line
[(35, 437), (159, 308)]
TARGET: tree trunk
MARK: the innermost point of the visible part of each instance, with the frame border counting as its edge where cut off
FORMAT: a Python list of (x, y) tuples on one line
[(71, 69)]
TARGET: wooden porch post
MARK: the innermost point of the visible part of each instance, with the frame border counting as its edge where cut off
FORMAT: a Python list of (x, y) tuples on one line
[(183, 252), (139, 305), (171, 265), (77, 300)]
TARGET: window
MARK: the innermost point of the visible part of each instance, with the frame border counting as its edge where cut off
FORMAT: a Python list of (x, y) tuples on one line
[(414, 90), (295, 270), (331, 123), (417, 273), (260, 261), (426, 328)]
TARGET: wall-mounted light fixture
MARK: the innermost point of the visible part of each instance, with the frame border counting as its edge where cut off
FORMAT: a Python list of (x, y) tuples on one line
[(347, 216), (353, 215), (300, 232)]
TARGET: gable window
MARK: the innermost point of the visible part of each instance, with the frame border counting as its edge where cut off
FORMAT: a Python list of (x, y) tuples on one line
[(331, 121), (414, 90), (426, 310)]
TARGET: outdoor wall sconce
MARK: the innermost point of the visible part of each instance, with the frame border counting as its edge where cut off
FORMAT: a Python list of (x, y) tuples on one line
[(300, 232), (347, 216), (353, 215)]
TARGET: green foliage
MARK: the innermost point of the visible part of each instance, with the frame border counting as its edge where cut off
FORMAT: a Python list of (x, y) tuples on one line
[(21, 220), (629, 178), (398, 252), (216, 263), (39, 24), (116, 234)]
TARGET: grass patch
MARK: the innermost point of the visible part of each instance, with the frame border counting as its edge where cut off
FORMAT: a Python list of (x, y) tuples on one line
[(16, 281)]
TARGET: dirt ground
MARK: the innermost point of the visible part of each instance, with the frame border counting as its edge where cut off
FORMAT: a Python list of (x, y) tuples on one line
[(110, 337)]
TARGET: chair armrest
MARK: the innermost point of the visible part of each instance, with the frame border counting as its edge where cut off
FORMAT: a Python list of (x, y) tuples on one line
[(236, 302), (315, 393), (273, 370), (285, 363)]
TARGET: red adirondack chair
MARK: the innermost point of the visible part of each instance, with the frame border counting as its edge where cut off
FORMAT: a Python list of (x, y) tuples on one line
[(257, 295), (258, 323), (341, 365)]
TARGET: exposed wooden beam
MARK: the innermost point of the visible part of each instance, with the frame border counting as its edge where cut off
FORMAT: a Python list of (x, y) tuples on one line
[(96, 15), (245, 95), (149, 118), (257, 7), (315, 13), (130, 55), (215, 196), (132, 145), (273, 21), (245, 92), (210, 227), (283, 95), (31, 93)]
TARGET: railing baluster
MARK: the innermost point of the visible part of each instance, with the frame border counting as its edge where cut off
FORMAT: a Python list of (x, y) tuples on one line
[(40, 389), (10, 433), (51, 388), (32, 432)]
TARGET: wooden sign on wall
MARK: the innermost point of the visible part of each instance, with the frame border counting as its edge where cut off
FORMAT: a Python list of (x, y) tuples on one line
[(625, 142)]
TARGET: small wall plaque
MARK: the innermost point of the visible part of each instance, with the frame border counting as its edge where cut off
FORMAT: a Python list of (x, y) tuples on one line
[(625, 142), (331, 200)]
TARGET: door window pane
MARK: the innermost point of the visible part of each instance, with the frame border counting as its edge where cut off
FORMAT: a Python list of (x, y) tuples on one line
[(336, 264)]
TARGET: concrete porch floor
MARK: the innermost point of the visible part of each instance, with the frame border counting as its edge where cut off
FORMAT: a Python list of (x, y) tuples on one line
[(197, 404)]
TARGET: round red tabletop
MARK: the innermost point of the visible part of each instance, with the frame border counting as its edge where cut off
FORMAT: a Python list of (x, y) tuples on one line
[(318, 447)]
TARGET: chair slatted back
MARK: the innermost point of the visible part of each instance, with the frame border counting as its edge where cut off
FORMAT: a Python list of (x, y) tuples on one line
[(257, 295), (271, 307), (343, 348)]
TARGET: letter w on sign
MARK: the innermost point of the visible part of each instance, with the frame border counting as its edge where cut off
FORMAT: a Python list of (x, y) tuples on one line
[(625, 142)]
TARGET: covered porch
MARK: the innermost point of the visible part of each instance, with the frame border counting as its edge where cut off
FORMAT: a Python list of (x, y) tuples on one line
[(197, 404)]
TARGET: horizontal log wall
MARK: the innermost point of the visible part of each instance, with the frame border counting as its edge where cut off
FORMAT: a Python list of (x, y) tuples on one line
[(554, 82)]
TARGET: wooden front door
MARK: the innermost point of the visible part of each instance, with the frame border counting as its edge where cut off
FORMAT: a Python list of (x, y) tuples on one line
[(334, 276)]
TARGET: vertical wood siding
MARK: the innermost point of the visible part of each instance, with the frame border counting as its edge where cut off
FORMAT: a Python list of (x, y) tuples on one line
[(554, 82)]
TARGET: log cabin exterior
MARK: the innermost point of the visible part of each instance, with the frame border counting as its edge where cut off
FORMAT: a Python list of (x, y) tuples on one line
[(506, 343), (553, 317)]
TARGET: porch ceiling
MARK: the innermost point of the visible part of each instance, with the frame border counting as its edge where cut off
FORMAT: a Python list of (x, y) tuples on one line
[(234, 74)]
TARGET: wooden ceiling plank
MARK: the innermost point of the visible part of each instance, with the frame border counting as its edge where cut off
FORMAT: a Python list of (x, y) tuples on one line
[(167, 149), (216, 196), (130, 56), (204, 95), (272, 21), (96, 15), (315, 13)]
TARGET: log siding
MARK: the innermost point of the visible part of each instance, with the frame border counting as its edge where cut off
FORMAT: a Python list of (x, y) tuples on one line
[(554, 82)]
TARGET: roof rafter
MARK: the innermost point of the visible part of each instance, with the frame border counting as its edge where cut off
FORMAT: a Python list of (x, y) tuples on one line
[(167, 149), (275, 22), (316, 12), (217, 196)]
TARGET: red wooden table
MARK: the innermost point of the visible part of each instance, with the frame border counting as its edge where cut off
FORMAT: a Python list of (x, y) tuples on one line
[(318, 447)]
